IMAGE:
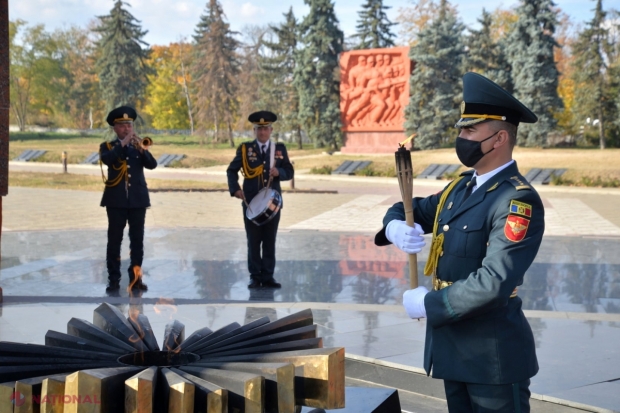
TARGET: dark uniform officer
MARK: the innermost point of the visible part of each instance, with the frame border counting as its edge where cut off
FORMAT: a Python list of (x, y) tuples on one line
[(253, 159), (486, 233), (125, 196)]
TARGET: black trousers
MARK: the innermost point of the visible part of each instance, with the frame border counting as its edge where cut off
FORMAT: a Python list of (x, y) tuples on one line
[(487, 398), (261, 266), (117, 219)]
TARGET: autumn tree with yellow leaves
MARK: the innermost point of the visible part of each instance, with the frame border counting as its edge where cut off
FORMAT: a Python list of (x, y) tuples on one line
[(169, 103)]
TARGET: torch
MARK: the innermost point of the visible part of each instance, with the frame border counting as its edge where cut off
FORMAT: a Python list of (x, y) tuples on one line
[(404, 173)]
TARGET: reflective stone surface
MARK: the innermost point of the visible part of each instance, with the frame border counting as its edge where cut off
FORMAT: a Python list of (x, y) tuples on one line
[(571, 295), (569, 274)]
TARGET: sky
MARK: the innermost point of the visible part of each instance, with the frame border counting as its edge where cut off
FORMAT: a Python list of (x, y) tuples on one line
[(172, 20)]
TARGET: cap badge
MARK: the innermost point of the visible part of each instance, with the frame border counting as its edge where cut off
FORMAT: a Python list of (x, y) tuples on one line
[(125, 116), (262, 120), (462, 107)]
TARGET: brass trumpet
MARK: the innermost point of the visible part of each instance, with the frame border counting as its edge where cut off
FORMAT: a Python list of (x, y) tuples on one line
[(141, 142)]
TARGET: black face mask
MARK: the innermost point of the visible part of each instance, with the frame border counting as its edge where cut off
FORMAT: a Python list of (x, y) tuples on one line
[(470, 152)]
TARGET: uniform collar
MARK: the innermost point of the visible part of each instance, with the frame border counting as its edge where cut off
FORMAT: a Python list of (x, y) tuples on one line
[(261, 144), (482, 179)]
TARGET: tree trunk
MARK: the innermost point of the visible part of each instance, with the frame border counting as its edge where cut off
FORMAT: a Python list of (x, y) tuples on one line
[(299, 142), (230, 135), (189, 103), (215, 129), (601, 131)]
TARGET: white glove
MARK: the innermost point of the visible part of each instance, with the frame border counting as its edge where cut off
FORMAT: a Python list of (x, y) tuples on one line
[(407, 239), (413, 301)]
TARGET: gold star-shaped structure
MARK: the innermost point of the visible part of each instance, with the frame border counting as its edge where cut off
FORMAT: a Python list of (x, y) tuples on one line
[(115, 364)]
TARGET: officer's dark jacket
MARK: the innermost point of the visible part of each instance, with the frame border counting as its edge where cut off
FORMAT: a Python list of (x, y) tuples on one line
[(136, 194), (475, 332), (255, 159)]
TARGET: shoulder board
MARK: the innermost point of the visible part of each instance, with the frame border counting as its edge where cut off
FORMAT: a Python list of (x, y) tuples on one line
[(519, 182)]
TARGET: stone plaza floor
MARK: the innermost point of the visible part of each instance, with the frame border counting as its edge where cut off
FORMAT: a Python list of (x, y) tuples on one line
[(53, 269)]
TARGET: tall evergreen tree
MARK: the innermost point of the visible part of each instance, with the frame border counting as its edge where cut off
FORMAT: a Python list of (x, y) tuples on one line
[(276, 69), (122, 59), (215, 71), (486, 56), (592, 79), (316, 74), (534, 73), (373, 26), (435, 85)]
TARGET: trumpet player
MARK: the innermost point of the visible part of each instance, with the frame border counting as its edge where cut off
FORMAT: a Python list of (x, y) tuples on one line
[(126, 196)]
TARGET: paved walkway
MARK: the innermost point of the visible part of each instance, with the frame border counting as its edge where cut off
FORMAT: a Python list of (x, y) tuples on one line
[(358, 205)]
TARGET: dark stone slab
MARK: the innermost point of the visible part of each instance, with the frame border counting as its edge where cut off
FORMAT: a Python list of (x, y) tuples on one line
[(93, 158), (393, 377), (301, 333), (54, 338), (217, 333), (264, 328), (84, 329), (195, 337), (365, 400), (113, 322), (306, 344), (174, 334), (141, 324)]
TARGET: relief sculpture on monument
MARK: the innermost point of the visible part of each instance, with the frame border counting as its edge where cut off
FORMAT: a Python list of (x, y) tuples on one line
[(374, 89)]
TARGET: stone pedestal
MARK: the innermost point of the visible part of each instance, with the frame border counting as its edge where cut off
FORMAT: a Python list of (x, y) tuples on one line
[(372, 142)]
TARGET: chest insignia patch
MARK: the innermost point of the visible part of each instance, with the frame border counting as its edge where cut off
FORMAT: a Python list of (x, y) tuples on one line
[(520, 208), (516, 228)]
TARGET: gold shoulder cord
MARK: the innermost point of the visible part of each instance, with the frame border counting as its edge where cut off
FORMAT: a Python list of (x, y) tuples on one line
[(437, 242), (249, 173), (122, 168)]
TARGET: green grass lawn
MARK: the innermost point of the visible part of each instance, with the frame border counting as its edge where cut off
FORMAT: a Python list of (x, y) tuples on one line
[(585, 166)]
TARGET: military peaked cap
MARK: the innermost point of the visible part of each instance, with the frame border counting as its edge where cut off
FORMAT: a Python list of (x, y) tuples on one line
[(262, 118), (121, 114), (485, 100)]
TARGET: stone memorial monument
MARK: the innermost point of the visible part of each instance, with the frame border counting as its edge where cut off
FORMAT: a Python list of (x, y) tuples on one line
[(374, 90)]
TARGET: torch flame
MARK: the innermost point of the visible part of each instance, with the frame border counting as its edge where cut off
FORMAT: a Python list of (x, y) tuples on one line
[(406, 141)]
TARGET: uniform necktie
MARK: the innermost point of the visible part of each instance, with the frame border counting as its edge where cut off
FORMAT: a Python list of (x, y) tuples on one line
[(470, 188), (263, 150)]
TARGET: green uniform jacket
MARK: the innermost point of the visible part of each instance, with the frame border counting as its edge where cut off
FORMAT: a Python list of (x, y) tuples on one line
[(475, 332)]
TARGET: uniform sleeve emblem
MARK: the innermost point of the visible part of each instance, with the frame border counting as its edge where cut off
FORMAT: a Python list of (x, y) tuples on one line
[(520, 208), (516, 228)]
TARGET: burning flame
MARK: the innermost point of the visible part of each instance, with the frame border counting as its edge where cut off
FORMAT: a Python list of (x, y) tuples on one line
[(165, 305), (406, 141), (176, 348), (137, 272)]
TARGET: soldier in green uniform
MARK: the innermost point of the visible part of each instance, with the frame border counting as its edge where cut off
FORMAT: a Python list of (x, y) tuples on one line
[(254, 160), (487, 227)]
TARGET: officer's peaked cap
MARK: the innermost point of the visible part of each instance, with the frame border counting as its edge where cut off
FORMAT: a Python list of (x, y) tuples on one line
[(485, 100), (121, 114), (263, 118)]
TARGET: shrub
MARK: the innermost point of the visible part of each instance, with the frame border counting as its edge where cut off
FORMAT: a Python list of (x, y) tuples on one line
[(322, 170)]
